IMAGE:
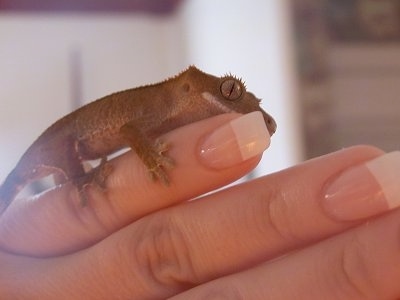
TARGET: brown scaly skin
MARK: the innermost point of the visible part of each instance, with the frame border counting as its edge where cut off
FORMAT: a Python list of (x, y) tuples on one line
[(132, 118)]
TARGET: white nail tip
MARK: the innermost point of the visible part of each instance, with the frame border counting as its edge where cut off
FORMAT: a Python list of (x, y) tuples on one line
[(251, 134), (386, 170)]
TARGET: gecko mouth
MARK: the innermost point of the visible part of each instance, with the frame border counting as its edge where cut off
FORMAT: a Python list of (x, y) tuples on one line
[(269, 121)]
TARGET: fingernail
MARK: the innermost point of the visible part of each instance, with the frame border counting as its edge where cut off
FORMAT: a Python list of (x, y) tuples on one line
[(236, 141), (365, 190)]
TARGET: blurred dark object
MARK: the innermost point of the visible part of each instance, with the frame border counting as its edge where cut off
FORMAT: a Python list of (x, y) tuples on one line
[(88, 6), (363, 20), (348, 63)]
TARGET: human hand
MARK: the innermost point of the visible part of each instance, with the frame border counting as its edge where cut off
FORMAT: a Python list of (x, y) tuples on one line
[(142, 240)]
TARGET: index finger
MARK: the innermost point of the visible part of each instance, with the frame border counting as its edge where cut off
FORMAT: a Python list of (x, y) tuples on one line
[(208, 154)]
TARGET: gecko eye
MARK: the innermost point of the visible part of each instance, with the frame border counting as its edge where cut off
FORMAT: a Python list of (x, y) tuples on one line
[(231, 89)]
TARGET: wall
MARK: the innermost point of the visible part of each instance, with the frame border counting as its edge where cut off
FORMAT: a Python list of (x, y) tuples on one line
[(53, 63), (255, 43), (349, 73)]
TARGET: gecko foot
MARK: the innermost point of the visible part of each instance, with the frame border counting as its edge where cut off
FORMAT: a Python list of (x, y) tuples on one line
[(94, 177), (102, 172), (158, 173), (157, 162)]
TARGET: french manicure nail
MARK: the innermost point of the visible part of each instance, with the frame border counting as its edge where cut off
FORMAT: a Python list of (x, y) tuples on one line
[(365, 190), (235, 142)]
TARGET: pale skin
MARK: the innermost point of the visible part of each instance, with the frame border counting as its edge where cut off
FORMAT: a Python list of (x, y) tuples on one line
[(222, 246)]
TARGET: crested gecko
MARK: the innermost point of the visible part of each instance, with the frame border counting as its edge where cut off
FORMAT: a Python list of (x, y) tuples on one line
[(132, 118)]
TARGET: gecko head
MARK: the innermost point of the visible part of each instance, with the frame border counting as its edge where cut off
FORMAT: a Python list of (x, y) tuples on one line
[(233, 92), (218, 95)]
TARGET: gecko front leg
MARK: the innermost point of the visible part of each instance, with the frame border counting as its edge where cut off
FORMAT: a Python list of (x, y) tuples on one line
[(150, 152)]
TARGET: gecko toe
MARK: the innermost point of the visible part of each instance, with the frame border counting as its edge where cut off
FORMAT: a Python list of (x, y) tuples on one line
[(159, 174)]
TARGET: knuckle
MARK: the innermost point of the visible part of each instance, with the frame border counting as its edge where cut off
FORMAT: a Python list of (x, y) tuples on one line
[(279, 217), (355, 276), (162, 252)]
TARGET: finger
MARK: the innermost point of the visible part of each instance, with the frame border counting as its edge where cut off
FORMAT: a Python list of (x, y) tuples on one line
[(208, 154), (161, 255), (230, 231), (362, 263), (83, 276), (250, 223)]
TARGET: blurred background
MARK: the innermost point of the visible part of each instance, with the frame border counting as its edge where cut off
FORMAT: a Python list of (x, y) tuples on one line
[(328, 71)]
